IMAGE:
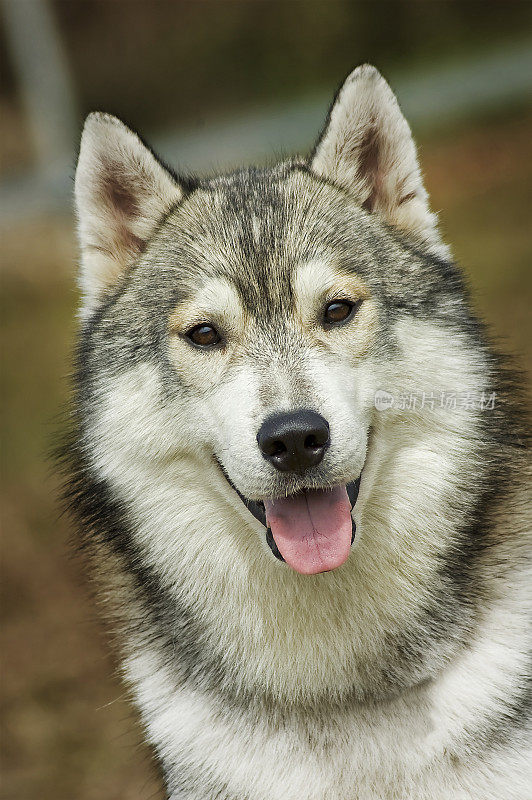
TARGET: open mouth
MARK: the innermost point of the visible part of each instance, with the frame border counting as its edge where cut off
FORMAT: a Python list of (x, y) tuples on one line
[(312, 530)]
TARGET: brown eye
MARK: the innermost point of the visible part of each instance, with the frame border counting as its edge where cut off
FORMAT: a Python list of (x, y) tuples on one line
[(338, 311), (204, 336)]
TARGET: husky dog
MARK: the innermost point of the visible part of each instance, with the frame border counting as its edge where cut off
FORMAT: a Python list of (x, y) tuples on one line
[(301, 473)]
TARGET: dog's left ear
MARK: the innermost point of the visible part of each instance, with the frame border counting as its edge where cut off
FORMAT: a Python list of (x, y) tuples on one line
[(122, 192), (368, 149)]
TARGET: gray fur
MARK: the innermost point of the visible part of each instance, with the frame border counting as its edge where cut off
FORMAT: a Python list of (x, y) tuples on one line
[(401, 674)]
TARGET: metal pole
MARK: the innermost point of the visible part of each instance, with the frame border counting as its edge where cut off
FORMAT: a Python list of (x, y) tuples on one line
[(44, 79)]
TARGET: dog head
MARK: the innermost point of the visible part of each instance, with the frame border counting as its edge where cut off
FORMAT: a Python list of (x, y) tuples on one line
[(245, 322)]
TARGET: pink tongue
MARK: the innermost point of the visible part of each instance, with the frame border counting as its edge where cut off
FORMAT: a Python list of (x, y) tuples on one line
[(313, 529)]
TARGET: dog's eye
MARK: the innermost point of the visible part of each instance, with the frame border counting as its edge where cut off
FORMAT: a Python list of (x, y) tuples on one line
[(203, 335), (338, 311)]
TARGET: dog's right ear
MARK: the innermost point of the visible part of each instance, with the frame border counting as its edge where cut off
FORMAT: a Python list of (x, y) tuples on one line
[(367, 149), (122, 192)]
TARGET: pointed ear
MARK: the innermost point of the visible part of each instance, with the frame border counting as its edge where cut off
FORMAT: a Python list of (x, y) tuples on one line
[(122, 192), (367, 148)]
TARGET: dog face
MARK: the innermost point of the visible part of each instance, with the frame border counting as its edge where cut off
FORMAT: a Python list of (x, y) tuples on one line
[(246, 322), (255, 339)]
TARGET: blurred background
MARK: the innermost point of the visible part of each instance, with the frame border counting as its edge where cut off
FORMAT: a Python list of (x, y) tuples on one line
[(209, 84)]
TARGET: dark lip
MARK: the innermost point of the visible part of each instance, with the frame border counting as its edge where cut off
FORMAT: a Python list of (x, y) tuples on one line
[(256, 507)]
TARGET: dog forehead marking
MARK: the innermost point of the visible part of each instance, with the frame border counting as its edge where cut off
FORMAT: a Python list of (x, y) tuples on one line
[(217, 298), (319, 277), (256, 228)]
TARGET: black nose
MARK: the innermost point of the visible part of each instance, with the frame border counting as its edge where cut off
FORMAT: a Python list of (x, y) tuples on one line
[(294, 442)]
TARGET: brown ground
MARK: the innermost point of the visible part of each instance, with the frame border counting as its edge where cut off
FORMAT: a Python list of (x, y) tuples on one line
[(68, 730)]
